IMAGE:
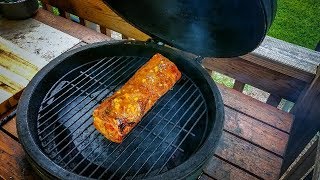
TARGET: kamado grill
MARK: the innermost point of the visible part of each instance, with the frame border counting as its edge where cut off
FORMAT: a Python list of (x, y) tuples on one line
[(179, 134)]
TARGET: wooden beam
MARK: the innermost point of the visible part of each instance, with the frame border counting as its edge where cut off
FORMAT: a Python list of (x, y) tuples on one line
[(286, 58), (98, 12), (308, 100), (306, 123), (255, 131), (265, 79), (279, 66), (74, 29)]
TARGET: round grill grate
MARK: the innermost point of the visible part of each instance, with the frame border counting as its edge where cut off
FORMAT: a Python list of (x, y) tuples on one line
[(166, 136)]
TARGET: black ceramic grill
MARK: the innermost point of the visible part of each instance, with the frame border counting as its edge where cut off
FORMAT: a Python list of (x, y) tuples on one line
[(172, 141), (165, 138)]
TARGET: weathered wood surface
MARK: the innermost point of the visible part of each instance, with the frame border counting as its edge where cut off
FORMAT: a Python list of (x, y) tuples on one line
[(17, 67), (11, 128), (257, 110), (307, 161), (23, 52), (98, 12), (289, 55), (30, 47), (36, 37), (258, 76), (84, 34), (13, 164), (221, 169), (255, 131)]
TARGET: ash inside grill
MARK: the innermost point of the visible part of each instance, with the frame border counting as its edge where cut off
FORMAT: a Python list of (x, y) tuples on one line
[(166, 136)]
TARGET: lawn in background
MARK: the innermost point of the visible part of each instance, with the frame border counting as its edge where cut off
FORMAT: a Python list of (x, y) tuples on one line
[(297, 22)]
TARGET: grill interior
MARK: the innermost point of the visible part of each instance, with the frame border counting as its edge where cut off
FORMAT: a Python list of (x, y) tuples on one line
[(166, 136)]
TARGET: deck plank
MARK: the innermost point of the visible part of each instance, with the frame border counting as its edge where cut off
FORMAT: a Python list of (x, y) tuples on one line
[(219, 169), (10, 127), (248, 156), (256, 109), (255, 131), (14, 164), (258, 76), (286, 58)]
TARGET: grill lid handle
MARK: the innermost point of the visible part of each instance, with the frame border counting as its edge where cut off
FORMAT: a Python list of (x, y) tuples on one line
[(215, 28)]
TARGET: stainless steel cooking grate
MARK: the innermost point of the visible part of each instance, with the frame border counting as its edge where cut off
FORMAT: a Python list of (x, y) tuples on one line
[(166, 137)]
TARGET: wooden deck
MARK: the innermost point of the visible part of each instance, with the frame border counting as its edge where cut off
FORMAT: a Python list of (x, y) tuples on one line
[(255, 134), (253, 142)]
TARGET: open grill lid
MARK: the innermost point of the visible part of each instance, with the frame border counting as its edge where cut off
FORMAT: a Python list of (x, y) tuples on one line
[(216, 28)]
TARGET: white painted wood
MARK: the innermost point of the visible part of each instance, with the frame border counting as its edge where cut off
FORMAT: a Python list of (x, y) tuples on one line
[(288, 54), (11, 79), (26, 47), (37, 38)]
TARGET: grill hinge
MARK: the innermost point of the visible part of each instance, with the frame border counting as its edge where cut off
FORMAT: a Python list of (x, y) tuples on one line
[(155, 41)]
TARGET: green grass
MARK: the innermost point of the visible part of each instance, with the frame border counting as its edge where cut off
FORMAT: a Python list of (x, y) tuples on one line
[(297, 22), (228, 81), (223, 79)]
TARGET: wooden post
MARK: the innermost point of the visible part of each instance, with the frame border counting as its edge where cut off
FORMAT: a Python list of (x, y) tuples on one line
[(274, 100), (306, 123), (238, 85), (124, 36), (82, 21), (105, 31)]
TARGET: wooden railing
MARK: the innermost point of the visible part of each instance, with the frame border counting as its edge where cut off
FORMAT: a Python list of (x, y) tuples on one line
[(284, 70)]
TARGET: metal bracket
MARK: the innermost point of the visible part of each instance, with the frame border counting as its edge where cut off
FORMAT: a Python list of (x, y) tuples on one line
[(199, 59), (155, 41)]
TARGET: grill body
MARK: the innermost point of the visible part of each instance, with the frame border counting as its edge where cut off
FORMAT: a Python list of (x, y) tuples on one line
[(173, 140)]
